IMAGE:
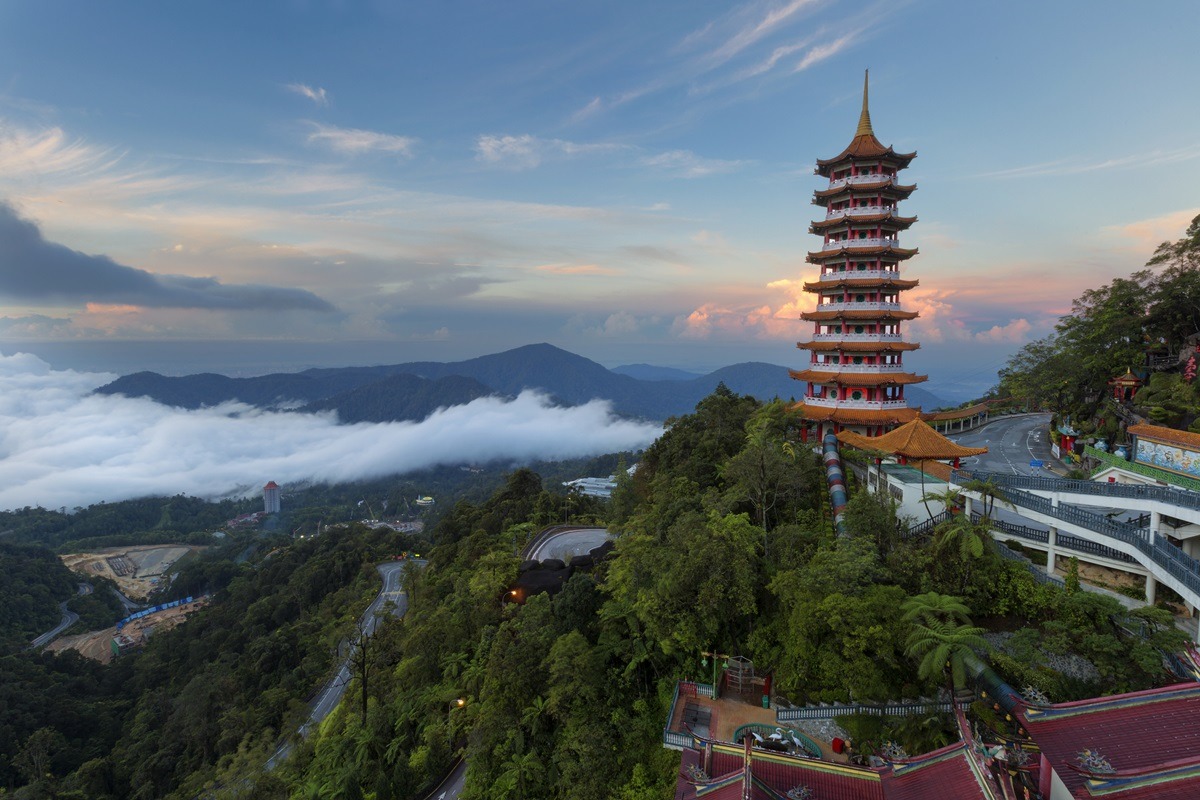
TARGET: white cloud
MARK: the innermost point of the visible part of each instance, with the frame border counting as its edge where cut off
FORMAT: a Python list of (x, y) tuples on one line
[(355, 141), (60, 445), (317, 95), (527, 151), (686, 164), (824, 51)]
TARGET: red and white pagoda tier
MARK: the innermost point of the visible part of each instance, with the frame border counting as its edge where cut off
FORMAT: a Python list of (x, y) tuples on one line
[(856, 375)]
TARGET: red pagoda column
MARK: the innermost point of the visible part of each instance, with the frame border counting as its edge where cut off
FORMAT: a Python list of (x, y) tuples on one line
[(855, 374)]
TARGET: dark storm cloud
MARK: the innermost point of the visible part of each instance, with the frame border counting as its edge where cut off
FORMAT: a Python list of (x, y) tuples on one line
[(35, 270)]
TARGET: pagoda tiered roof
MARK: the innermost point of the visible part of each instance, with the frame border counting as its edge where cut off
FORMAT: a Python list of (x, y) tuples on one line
[(864, 146), (856, 416), (888, 185), (865, 283), (865, 314), (848, 248), (817, 375), (881, 346), (900, 223)]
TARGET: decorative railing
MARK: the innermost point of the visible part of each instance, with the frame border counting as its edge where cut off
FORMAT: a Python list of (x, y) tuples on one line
[(829, 366), (833, 402), (857, 337), (926, 527), (858, 179), (1038, 575), (858, 211), (1129, 491), (901, 709), (1108, 459), (856, 306), (1155, 548), (868, 242), (872, 274)]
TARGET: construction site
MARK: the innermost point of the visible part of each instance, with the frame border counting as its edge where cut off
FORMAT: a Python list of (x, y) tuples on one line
[(107, 644), (137, 570)]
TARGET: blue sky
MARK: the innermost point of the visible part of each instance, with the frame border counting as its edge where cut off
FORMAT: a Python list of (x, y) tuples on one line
[(630, 181)]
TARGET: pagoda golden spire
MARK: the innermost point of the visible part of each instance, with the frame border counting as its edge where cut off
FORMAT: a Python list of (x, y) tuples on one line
[(864, 119)]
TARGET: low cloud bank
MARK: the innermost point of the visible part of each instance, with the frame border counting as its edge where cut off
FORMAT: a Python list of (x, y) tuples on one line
[(60, 445)]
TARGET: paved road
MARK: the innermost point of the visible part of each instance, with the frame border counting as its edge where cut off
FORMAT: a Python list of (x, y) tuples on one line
[(69, 618), (452, 785), (392, 573), (570, 543), (1012, 442)]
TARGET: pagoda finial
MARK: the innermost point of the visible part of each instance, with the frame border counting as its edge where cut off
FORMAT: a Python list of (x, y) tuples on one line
[(864, 119)]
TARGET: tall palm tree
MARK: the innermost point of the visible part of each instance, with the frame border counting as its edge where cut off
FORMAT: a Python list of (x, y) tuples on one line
[(520, 770), (945, 645)]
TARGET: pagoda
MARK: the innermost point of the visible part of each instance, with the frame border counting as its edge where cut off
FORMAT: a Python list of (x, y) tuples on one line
[(856, 375)]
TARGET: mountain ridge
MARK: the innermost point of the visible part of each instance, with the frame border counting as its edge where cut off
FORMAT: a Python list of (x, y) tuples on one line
[(569, 378)]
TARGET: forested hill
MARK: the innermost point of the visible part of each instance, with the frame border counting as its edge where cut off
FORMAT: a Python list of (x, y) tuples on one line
[(376, 394), (34, 583)]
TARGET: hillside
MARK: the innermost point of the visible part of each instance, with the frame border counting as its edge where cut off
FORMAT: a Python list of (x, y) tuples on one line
[(376, 394)]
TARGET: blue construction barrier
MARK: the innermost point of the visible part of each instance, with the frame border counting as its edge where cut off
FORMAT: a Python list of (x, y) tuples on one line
[(147, 612)]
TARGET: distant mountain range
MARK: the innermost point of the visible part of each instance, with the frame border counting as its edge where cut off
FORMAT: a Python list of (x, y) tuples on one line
[(412, 391)]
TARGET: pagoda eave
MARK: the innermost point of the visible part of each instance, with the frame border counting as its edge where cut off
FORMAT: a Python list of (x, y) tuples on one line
[(850, 251), (864, 147), (856, 416), (866, 314), (900, 223), (886, 184), (860, 347), (862, 283), (858, 378)]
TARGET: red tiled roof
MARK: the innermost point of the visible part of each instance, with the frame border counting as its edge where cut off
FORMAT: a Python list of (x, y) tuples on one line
[(859, 347), (914, 440), (1137, 732), (831, 375), (947, 774), (866, 283), (825, 316), (857, 416), (1172, 435)]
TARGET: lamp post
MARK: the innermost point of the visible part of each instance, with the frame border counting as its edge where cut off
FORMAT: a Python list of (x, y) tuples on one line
[(456, 703), (704, 663)]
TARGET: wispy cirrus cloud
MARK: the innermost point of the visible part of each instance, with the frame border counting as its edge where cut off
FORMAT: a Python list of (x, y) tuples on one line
[(686, 164), (525, 151), (356, 141), (314, 93), (825, 51), (1151, 158)]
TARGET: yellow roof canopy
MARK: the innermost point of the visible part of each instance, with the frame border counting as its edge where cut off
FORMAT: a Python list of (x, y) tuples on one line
[(915, 440)]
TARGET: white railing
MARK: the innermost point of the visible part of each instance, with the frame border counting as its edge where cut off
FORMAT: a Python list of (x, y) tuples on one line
[(865, 306), (857, 179), (824, 366), (876, 405), (885, 274), (858, 211), (857, 337), (880, 242)]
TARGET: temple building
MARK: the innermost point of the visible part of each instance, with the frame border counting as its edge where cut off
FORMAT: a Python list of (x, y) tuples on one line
[(856, 375)]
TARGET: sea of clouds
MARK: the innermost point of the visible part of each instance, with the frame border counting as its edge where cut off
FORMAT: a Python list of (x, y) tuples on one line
[(61, 445)]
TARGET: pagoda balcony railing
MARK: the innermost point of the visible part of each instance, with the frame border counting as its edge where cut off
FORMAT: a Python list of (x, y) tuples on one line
[(872, 242), (821, 366), (833, 402), (852, 306), (857, 337), (859, 211), (871, 274), (853, 179)]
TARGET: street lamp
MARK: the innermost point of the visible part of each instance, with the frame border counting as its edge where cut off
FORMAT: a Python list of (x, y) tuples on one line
[(704, 663)]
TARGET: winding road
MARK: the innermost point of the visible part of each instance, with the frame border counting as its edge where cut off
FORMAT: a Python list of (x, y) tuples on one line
[(1012, 443), (69, 618), (326, 701)]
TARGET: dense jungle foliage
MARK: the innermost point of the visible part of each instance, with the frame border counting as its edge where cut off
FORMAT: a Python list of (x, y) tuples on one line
[(1154, 314), (724, 544)]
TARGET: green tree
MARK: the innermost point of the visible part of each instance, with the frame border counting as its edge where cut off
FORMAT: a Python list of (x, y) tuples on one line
[(942, 646)]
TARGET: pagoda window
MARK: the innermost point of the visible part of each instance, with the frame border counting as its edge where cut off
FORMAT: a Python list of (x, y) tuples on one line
[(858, 328), (856, 395), (858, 359), (859, 298)]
